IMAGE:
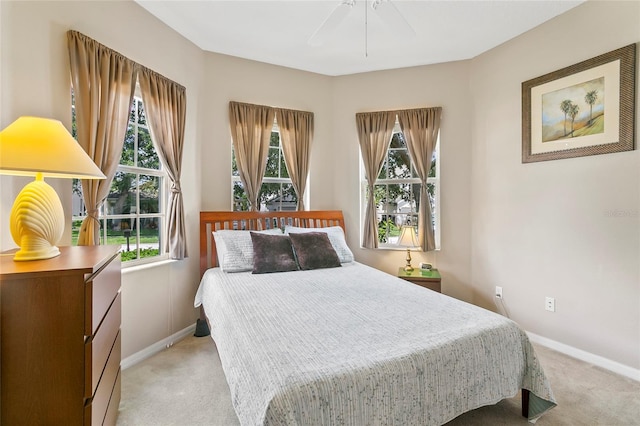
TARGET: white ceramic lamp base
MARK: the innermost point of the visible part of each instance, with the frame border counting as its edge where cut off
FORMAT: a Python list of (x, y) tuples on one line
[(37, 221)]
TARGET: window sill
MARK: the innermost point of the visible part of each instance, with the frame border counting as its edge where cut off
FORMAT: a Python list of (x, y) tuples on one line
[(126, 268), (396, 248)]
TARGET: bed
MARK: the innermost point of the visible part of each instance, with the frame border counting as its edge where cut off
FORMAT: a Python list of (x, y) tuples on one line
[(351, 345)]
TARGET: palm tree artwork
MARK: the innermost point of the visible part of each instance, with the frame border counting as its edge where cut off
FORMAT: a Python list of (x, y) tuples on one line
[(573, 111), (591, 97), (565, 106)]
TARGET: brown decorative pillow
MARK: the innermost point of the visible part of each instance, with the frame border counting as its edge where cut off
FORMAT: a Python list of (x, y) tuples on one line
[(314, 250), (272, 253)]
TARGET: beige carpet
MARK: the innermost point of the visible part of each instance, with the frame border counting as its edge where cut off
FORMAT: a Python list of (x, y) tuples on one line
[(185, 385)]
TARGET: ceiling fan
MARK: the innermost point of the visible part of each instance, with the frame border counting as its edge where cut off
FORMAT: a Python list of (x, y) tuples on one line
[(384, 8)]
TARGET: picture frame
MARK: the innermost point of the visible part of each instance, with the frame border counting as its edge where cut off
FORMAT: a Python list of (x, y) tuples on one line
[(583, 109)]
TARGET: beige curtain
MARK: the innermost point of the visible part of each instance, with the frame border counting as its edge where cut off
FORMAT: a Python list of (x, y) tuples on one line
[(296, 134), (374, 134), (251, 127), (103, 84), (420, 128), (165, 104)]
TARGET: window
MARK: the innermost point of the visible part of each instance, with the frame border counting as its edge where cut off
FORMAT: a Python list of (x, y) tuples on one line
[(276, 192), (397, 192), (133, 215)]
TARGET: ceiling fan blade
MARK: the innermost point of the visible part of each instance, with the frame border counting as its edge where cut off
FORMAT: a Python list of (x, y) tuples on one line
[(332, 22), (393, 18)]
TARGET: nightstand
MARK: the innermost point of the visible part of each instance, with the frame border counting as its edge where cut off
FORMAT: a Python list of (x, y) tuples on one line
[(428, 278)]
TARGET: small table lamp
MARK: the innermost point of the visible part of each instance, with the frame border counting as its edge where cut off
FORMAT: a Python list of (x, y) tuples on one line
[(408, 239), (33, 146)]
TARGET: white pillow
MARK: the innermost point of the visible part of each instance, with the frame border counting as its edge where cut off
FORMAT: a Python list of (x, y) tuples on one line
[(235, 249), (336, 237)]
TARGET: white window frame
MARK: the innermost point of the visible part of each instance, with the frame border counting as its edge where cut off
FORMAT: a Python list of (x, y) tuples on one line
[(266, 179), (162, 203), (435, 181)]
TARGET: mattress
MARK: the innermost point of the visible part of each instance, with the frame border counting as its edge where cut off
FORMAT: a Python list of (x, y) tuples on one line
[(355, 346)]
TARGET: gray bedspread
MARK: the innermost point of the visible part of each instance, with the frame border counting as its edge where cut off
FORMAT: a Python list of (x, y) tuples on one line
[(355, 346)]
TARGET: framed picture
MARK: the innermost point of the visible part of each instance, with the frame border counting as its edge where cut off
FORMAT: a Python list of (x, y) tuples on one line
[(584, 109)]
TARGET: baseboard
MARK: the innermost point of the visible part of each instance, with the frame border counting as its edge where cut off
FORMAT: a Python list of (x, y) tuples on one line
[(149, 351), (596, 360)]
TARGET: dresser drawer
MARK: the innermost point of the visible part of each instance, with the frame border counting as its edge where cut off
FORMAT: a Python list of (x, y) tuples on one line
[(96, 409), (114, 403), (98, 348), (101, 288)]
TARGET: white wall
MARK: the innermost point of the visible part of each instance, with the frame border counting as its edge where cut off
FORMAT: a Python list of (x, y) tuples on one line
[(544, 229), (537, 230)]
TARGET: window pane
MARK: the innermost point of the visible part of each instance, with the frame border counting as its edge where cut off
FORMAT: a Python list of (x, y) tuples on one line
[(147, 156), (395, 225), (289, 199), (74, 126), (142, 119), (396, 193), (399, 164), (77, 201), (75, 230), (383, 170), (240, 200), (234, 165), (405, 197), (380, 194), (272, 162), (129, 147), (284, 173), (132, 112), (150, 236), (274, 141), (149, 194), (122, 198), (388, 231), (123, 233), (432, 170), (270, 196), (397, 141), (431, 189), (415, 194)]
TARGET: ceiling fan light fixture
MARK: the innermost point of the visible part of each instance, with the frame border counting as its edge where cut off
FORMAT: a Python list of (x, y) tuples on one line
[(390, 15)]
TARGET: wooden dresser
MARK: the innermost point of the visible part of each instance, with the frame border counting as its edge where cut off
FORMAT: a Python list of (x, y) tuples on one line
[(60, 338)]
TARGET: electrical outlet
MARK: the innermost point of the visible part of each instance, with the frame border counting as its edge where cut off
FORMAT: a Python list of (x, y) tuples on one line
[(498, 292), (550, 304)]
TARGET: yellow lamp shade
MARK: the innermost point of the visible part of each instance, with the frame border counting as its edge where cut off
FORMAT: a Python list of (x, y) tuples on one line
[(33, 146)]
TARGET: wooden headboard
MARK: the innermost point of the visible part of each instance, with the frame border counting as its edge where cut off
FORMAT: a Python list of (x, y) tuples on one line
[(213, 221)]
